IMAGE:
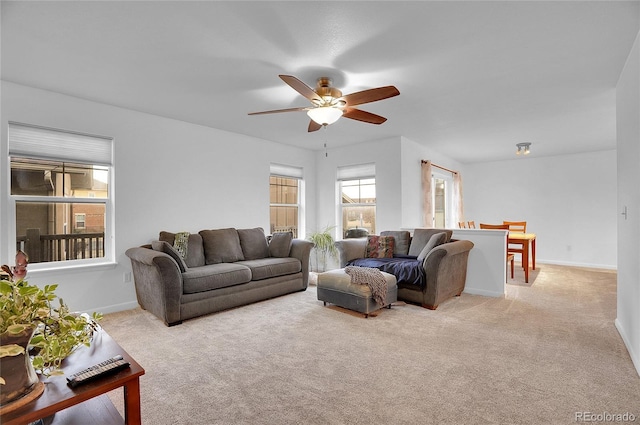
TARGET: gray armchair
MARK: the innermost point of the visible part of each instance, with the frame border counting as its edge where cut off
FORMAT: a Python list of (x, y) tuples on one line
[(445, 267)]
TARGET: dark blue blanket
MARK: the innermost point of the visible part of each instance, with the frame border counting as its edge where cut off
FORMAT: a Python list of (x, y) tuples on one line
[(406, 269)]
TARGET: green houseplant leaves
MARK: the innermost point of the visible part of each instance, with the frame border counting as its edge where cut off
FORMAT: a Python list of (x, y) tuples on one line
[(58, 332), (324, 245)]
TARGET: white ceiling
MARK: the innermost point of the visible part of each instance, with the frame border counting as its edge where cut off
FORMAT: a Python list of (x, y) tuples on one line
[(475, 78)]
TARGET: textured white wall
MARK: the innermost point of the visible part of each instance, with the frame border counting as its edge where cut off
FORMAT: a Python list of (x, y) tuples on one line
[(170, 175), (486, 270), (628, 148), (569, 201)]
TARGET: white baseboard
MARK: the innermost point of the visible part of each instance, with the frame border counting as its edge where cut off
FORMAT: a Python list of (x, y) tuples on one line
[(573, 264), (116, 307), (484, 293), (635, 359)]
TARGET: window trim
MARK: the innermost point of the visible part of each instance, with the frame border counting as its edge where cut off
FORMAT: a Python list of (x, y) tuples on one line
[(350, 173), (109, 249), (289, 172), (84, 220), (103, 157)]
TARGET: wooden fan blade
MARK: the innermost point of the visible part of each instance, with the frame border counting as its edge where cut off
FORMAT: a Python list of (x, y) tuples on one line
[(314, 126), (275, 111), (371, 95), (364, 116), (301, 88)]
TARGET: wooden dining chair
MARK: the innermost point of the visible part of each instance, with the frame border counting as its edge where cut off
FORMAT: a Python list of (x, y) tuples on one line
[(510, 255), (472, 224), (516, 227), (462, 225), (494, 226)]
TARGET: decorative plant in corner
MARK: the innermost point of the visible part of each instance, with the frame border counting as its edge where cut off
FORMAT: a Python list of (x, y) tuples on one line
[(324, 245), (52, 332)]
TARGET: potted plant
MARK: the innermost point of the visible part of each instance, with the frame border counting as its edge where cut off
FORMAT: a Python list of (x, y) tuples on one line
[(323, 245), (30, 321)]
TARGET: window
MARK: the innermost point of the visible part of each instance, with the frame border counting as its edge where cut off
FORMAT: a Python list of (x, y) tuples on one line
[(284, 194), (61, 195), (358, 197), (81, 220), (442, 184)]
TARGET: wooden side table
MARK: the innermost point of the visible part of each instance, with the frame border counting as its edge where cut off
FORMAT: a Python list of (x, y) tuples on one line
[(86, 404)]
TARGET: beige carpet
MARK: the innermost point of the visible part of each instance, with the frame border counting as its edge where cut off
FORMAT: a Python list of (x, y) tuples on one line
[(546, 351)]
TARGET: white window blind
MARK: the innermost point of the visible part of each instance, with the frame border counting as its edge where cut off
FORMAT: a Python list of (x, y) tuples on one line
[(45, 143), (353, 172), (289, 171)]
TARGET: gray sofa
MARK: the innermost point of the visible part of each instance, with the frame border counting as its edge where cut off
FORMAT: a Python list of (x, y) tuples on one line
[(443, 260), (218, 269)]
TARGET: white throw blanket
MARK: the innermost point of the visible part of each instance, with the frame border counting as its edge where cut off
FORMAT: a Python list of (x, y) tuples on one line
[(372, 277)]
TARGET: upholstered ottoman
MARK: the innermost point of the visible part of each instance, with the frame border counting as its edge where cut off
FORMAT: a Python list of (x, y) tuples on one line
[(335, 287)]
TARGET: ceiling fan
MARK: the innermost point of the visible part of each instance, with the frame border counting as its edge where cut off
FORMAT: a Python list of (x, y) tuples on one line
[(328, 103)]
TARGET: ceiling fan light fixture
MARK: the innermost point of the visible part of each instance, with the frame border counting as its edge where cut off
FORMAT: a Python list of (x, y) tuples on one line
[(325, 115)]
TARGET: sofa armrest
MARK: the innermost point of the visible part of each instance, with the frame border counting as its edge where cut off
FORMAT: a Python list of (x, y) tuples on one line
[(446, 271), (350, 249), (301, 250), (158, 283)]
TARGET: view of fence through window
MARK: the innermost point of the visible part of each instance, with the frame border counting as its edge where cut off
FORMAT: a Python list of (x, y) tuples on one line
[(359, 204), (49, 225), (284, 199)]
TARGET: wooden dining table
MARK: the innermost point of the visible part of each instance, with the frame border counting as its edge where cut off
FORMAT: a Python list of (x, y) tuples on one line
[(528, 243)]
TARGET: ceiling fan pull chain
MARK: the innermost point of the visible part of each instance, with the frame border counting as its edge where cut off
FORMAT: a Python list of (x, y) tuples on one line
[(326, 153)]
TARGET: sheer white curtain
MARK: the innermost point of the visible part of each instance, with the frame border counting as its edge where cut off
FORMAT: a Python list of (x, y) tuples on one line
[(458, 210), (427, 195)]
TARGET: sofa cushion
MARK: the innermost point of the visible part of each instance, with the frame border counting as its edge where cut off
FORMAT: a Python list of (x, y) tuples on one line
[(253, 243), (422, 236), (221, 246), (402, 240), (163, 246), (280, 244), (435, 240), (272, 267), (379, 246), (195, 251), (214, 276)]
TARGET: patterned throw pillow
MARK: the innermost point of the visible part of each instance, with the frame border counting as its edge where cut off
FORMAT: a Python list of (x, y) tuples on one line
[(195, 249), (380, 246), (402, 239), (181, 243)]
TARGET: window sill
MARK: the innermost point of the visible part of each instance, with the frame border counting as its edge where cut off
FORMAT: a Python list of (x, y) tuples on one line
[(59, 270)]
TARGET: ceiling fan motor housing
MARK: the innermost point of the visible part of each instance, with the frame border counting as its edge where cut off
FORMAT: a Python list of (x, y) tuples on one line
[(328, 94)]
